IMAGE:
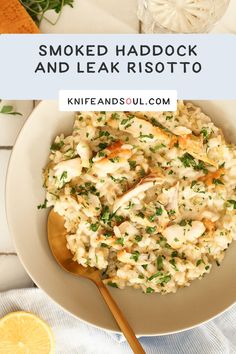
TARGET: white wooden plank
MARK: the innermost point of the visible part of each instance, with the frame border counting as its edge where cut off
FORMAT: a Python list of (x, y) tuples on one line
[(6, 243), (96, 16), (10, 125), (12, 273), (228, 23)]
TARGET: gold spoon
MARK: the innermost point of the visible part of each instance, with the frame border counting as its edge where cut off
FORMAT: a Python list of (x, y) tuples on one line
[(57, 243)]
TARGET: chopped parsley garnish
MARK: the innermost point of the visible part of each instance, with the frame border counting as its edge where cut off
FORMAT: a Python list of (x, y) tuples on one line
[(159, 211), (159, 263), (124, 121), (171, 212), (163, 242), (183, 223), (114, 285), (159, 125), (101, 154), (94, 227), (201, 166), (164, 280), (150, 230), (115, 116), (138, 238), (149, 290), (104, 245), (114, 159), (232, 202), (130, 205), (120, 241), (172, 262), (43, 206), (199, 261), (119, 218), (217, 181), (135, 256), (146, 136), (156, 147), (63, 175), (169, 117), (57, 146), (104, 133), (102, 145), (73, 190), (155, 276), (87, 187), (132, 164), (188, 161), (205, 134), (108, 234), (105, 215), (144, 266), (174, 254), (152, 217)]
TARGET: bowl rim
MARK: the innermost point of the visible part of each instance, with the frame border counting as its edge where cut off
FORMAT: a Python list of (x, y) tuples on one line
[(8, 208)]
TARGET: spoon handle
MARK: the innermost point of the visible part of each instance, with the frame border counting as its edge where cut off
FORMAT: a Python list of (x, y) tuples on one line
[(120, 319)]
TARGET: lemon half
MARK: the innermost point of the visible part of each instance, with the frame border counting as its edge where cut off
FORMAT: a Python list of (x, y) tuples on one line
[(24, 333)]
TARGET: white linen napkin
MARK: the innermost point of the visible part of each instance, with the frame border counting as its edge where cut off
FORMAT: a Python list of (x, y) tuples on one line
[(73, 336)]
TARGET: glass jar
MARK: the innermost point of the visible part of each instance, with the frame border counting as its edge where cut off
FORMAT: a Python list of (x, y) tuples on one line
[(180, 16)]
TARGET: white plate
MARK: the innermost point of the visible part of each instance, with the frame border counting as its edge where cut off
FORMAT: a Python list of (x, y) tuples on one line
[(148, 314)]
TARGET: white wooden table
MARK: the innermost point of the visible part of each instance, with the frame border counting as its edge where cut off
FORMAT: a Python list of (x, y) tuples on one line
[(88, 16)]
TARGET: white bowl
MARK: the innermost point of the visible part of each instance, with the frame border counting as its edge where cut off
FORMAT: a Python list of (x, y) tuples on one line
[(152, 314)]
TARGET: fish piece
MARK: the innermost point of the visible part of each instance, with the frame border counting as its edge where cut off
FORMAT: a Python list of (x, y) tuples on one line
[(72, 168), (173, 198), (139, 128), (135, 258), (209, 225), (182, 131), (84, 152), (174, 235), (194, 146), (188, 142), (177, 235), (145, 184)]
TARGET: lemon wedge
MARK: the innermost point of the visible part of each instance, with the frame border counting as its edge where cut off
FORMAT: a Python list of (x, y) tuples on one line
[(24, 333)]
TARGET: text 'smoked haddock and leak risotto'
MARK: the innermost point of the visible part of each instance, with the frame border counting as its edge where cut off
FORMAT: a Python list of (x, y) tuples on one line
[(148, 198)]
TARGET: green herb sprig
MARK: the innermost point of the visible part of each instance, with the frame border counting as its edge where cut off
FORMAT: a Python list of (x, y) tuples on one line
[(37, 8), (9, 109)]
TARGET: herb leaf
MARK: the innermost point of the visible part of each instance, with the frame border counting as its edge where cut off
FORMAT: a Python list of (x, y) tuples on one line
[(232, 202), (7, 109), (135, 256), (37, 9), (114, 285), (159, 263)]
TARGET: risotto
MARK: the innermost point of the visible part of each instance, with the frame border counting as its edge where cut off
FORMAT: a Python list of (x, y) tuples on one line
[(148, 198)]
